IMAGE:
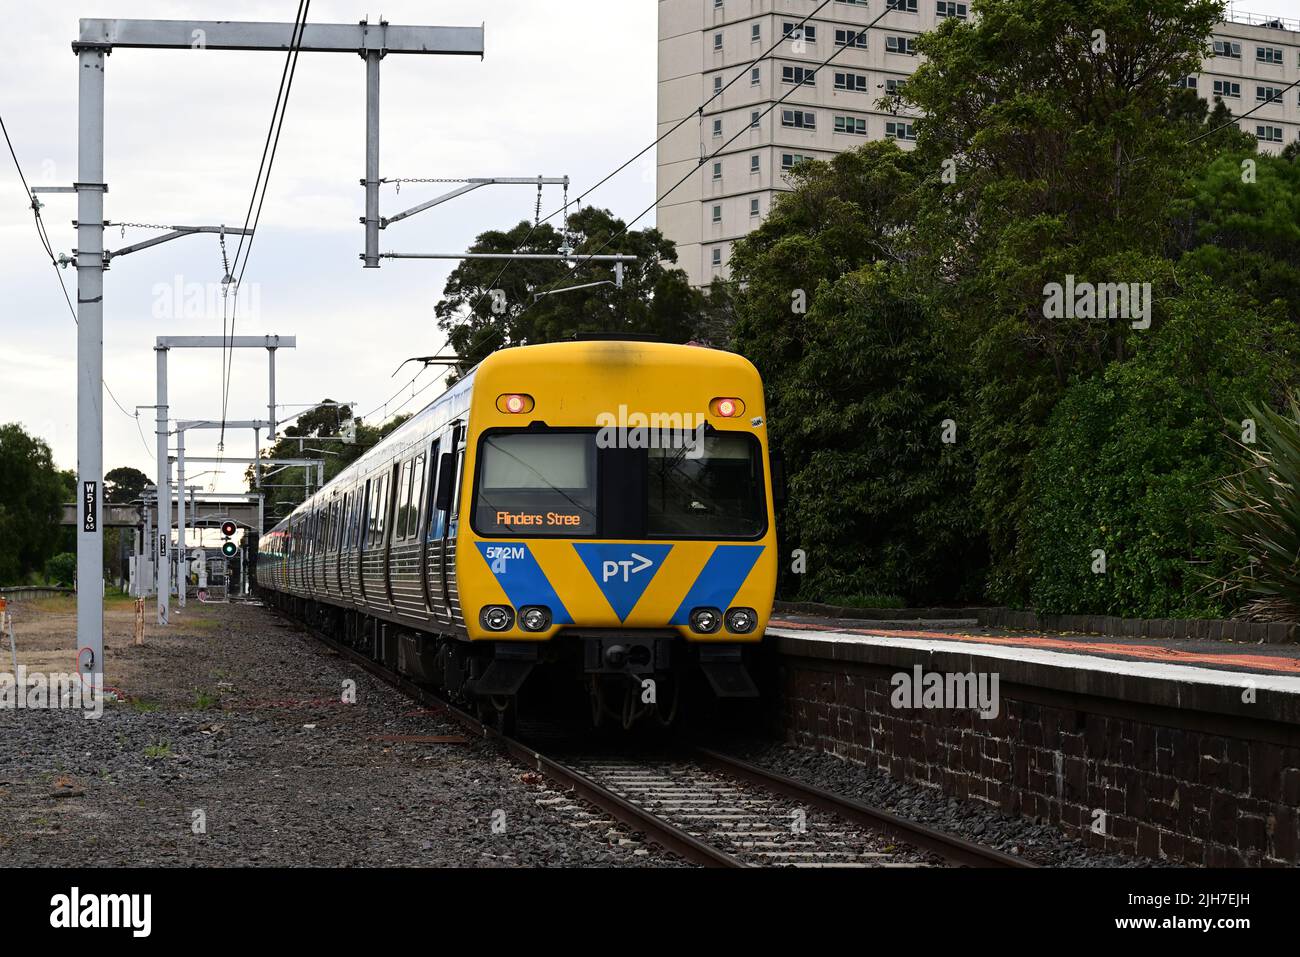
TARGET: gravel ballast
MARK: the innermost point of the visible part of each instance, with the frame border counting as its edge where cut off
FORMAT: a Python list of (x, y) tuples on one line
[(235, 747)]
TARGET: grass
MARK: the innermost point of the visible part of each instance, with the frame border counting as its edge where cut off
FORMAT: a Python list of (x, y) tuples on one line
[(144, 707), (161, 750), (205, 700)]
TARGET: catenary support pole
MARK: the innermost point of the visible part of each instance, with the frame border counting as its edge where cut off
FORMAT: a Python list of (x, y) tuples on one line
[(162, 553), (372, 160), (91, 60), (181, 550)]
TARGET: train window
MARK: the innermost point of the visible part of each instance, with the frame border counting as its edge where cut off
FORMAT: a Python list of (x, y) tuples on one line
[(537, 483), (417, 495), (381, 509), (403, 496), (719, 494), (432, 515)]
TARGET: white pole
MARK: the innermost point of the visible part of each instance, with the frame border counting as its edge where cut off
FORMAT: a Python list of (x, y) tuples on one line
[(180, 518), (162, 553), (90, 360)]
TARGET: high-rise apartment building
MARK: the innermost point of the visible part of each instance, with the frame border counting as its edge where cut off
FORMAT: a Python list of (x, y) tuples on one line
[(705, 44)]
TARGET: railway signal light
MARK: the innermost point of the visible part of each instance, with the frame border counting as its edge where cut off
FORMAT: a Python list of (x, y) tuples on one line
[(229, 548)]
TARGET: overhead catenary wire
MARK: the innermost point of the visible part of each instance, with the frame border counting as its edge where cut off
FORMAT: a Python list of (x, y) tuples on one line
[(44, 237), (698, 112), (255, 201), (704, 159)]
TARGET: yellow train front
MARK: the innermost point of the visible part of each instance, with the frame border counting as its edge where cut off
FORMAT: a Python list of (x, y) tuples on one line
[(589, 516), (618, 521)]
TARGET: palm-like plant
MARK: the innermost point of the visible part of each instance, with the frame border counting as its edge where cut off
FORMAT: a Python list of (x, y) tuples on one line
[(1258, 509)]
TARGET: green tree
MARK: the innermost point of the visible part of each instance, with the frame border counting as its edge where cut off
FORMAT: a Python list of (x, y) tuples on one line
[(286, 489), (1130, 460), (1052, 140), (860, 378), (124, 485), (32, 493), (485, 307)]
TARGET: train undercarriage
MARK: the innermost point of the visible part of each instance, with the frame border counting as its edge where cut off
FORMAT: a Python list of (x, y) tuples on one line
[(610, 678)]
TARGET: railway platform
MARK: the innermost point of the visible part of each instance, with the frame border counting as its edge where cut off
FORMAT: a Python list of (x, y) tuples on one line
[(1187, 751)]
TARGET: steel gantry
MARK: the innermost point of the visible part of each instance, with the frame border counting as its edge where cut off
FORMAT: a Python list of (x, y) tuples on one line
[(96, 41)]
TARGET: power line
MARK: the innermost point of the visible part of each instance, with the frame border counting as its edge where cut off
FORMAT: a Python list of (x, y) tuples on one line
[(262, 180), (1237, 119), (851, 42), (43, 235), (698, 112)]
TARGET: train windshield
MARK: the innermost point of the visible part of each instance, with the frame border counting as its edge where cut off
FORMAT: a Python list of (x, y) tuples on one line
[(718, 493), (562, 484), (537, 483)]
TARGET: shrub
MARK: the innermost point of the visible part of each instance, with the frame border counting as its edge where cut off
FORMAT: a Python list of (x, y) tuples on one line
[(62, 569)]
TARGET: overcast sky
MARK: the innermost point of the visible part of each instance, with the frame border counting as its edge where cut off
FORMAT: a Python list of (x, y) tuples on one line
[(565, 88)]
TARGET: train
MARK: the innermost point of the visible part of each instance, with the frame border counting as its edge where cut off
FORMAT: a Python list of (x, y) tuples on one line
[(593, 516)]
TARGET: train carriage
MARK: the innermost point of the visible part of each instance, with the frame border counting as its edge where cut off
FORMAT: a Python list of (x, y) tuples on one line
[(598, 510)]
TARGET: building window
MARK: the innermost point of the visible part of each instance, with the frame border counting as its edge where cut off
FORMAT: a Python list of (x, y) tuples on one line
[(792, 31), (1227, 88), (1227, 48), (947, 8), (907, 6), (790, 160), (717, 84), (754, 117), (798, 75), (849, 37), (1268, 94), (755, 76), (717, 4), (717, 256), (753, 163), (853, 3), (717, 171), (894, 86), (717, 41), (1269, 134), (799, 119), (1268, 55), (1186, 83), (717, 214), (855, 125), (717, 127), (753, 207), (756, 32), (901, 45), (857, 82), (898, 130)]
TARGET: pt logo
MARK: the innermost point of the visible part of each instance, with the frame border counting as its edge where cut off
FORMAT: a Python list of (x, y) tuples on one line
[(623, 572), (632, 566)]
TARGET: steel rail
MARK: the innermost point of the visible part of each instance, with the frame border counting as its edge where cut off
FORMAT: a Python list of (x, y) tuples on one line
[(664, 833), (949, 846)]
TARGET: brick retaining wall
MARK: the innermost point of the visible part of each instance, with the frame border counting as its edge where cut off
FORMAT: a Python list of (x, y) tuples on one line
[(1186, 772)]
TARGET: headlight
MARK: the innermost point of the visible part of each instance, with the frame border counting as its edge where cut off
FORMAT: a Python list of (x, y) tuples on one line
[(706, 620), (535, 618), (497, 617), (741, 621)]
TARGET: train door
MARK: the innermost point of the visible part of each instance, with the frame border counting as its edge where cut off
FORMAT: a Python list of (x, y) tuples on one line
[(389, 505), (363, 532), (430, 520), (452, 465)]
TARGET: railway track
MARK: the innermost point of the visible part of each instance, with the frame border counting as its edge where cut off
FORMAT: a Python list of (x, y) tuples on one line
[(718, 811)]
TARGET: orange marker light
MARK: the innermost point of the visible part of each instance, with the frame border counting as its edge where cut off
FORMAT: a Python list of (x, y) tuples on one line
[(727, 408), (515, 403)]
